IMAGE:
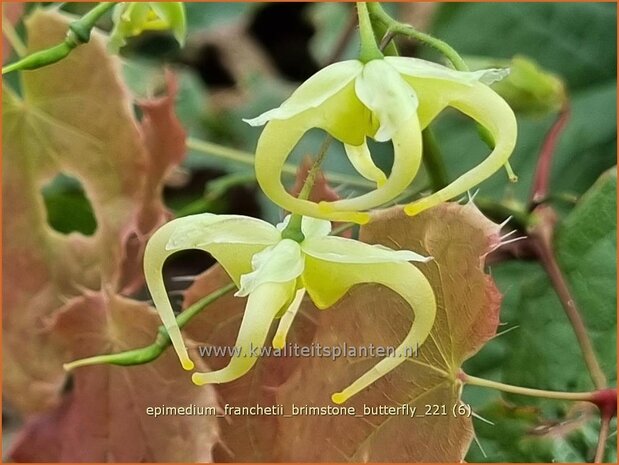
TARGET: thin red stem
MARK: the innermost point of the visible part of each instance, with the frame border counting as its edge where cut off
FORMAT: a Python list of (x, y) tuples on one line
[(544, 164)]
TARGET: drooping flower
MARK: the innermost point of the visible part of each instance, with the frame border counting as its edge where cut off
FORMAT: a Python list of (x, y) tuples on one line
[(390, 98), (133, 18), (275, 273)]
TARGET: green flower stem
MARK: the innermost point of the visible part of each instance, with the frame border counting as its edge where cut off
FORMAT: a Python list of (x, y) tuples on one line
[(151, 352), (293, 230), (394, 28), (78, 34), (369, 47), (433, 160), (558, 395)]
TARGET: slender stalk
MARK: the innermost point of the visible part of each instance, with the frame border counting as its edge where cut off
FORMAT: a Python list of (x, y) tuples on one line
[(308, 185), (542, 233), (558, 395), (602, 438), (151, 352), (397, 28), (78, 34), (544, 163), (293, 230), (369, 47)]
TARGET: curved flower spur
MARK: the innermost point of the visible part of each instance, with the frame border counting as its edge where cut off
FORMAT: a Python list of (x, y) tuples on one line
[(387, 98), (275, 273)]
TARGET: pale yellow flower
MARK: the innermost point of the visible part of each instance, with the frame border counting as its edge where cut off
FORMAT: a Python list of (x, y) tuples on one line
[(392, 98), (275, 273)]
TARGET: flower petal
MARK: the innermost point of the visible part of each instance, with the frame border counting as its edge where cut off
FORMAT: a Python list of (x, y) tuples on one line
[(343, 250), (327, 282), (173, 14), (223, 236), (416, 67), (381, 88), (276, 142), (279, 340), (311, 227), (315, 227), (486, 107), (280, 263), (155, 256), (231, 239), (361, 159), (407, 148), (314, 92), (208, 228), (262, 306)]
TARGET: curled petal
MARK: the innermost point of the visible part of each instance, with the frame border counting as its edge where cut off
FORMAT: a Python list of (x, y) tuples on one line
[(486, 107), (343, 250), (415, 67), (279, 340), (280, 263), (279, 138), (276, 142), (407, 149), (381, 88), (213, 234), (155, 256), (314, 92), (208, 228), (231, 239), (327, 282), (262, 306), (361, 159)]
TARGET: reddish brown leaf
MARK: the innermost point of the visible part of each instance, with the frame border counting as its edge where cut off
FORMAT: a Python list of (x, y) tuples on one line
[(164, 139), (458, 237), (74, 117), (243, 438), (104, 416)]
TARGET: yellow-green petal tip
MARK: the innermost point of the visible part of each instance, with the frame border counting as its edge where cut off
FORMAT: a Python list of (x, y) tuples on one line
[(188, 365), (198, 379)]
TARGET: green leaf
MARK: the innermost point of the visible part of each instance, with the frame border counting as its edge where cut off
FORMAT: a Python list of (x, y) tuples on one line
[(542, 352), (575, 40), (524, 434)]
